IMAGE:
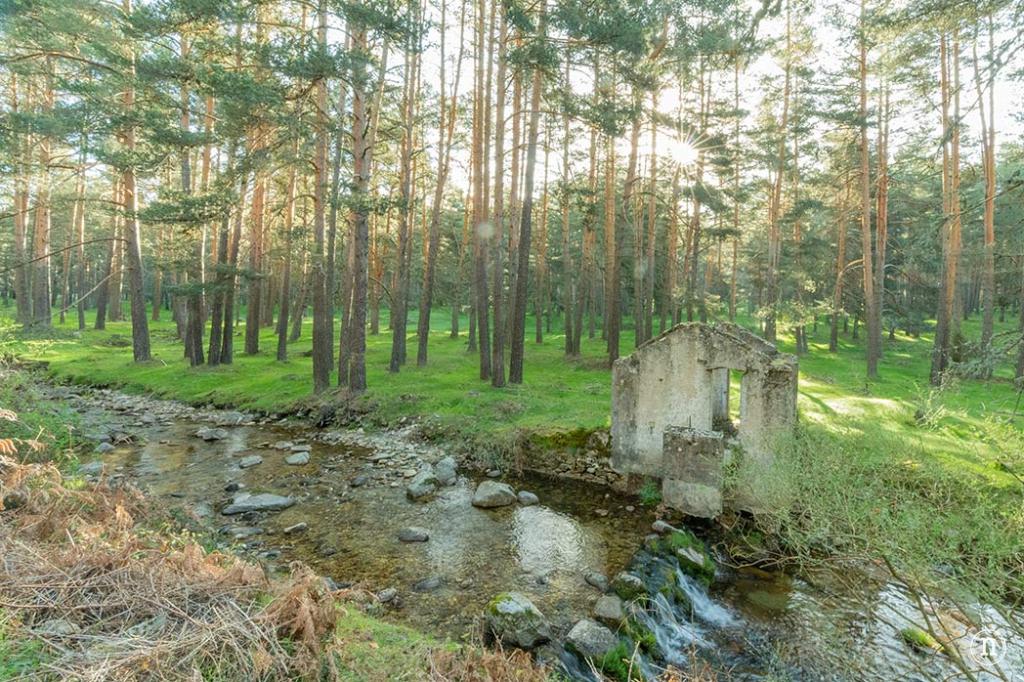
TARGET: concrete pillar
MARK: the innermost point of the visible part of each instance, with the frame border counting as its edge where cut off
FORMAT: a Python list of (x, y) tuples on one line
[(692, 471)]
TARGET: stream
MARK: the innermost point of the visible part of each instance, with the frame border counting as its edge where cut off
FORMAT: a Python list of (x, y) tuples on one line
[(350, 505)]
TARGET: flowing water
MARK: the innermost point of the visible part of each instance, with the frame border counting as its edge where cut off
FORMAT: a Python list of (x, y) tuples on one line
[(750, 625)]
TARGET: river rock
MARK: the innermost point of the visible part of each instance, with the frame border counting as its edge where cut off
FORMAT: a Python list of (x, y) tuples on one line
[(598, 580), (491, 494), (233, 487), (103, 448), (527, 499), (590, 639), (515, 621), (430, 584), (283, 445), (628, 586), (359, 480), (262, 502), (422, 485), (249, 461), (91, 469), (608, 610), (446, 471), (297, 459), (301, 447), (230, 418), (696, 563), (296, 528), (414, 534), (241, 532), (387, 595), (208, 433)]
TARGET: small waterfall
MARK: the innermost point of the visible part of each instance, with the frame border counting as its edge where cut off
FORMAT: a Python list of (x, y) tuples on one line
[(676, 636), (704, 608)]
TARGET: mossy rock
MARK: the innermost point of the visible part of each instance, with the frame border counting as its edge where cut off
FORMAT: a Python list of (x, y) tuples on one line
[(628, 586), (515, 621), (689, 551)]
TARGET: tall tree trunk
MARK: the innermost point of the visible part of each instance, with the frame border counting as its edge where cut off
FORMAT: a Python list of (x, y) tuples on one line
[(515, 373), (286, 274), (221, 277), (611, 256), (41, 232), (586, 286), (353, 367), (498, 238), (837, 291), (21, 195), (775, 200), (103, 292), (871, 318), (951, 206), (133, 246), (321, 326), (481, 304), (445, 135), (881, 211), (570, 279), (986, 111), (80, 264), (400, 295), (647, 321), (194, 302), (540, 294)]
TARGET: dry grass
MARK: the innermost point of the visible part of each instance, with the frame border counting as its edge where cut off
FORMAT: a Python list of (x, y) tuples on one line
[(111, 602), (482, 665)]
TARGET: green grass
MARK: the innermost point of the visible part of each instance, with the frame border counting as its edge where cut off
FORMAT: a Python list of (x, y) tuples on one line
[(51, 424), (557, 395), (19, 656), (372, 649)]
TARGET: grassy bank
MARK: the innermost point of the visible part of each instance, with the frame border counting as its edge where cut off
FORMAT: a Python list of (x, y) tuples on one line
[(962, 427)]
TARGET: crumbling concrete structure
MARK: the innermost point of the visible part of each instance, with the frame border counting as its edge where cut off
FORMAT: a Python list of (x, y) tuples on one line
[(678, 383)]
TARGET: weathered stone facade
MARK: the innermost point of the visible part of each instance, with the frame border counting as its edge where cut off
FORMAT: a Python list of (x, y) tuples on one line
[(681, 379)]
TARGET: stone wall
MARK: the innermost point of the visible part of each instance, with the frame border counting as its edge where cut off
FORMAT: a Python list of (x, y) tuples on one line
[(681, 379)]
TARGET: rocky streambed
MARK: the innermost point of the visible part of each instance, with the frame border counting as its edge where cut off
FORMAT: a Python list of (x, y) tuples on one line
[(586, 578)]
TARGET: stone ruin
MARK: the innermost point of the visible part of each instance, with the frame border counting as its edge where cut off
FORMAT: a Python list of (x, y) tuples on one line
[(671, 418)]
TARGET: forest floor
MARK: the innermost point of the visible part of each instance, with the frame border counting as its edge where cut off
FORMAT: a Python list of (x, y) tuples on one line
[(889, 467)]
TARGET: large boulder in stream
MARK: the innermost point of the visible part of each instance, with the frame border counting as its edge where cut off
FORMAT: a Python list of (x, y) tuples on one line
[(446, 471), (491, 494), (423, 484), (515, 621), (590, 639), (245, 503), (209, 434), (608, 610)]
